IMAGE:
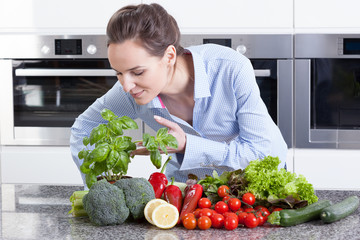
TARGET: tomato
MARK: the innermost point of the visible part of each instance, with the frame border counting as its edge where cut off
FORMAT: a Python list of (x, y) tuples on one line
[(217, 220), (197, 212), (262, 211), (229, 214), (205, 212), (261, 219), (189, 222), (223, 191), (226, 198), (204, 222), (221, 207), (241, 217), (248, 210), (189, 215), (251, 221), (234, 204), (231, 222), (204, 203), (276, 209), (248, 198)]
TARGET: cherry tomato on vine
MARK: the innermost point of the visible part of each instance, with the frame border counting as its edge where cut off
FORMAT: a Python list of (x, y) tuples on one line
[(227, 214), (226, 198), (261, 219), (248, 198), (197, 212), (248, 210), (231, 222), (206, 212), (234, 204), (251, 221), (204, 203), (204, 222), (241, 217), (221, 207), (189, 222), (263, 211), (217, 220), (223, 191), (276, 209)]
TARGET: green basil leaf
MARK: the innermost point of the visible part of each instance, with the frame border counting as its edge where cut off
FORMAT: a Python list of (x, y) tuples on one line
[(151, 144), (83, 153), (146, 138), (112, 159), (108, 114), (116, 126), (90, 179), (98, 133), (155, 158), (86, 141), (161, 133), (128, 123), (84, 168), (99, 168), (122, 164), (121, 143), (163, 147), (132, 146), (171, 141), (100, 153)]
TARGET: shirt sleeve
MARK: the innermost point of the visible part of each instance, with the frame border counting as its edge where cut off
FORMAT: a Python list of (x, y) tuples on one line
[(116, 100), (258, 135)]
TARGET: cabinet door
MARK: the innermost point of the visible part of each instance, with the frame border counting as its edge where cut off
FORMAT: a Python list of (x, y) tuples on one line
[(82, 16), (327, 14), (229, 15)]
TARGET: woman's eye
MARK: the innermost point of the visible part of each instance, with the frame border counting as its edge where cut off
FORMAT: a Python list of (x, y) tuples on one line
[(138, 73)]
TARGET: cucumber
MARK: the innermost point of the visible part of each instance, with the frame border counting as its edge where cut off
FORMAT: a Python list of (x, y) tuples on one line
[(291, 217), (340, 210)]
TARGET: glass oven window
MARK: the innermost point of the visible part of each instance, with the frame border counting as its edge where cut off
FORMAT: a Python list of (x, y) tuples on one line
[(268, 85), (335, 94), (55, 101)]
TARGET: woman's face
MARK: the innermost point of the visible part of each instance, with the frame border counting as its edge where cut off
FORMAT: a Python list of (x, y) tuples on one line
[(142, 75)]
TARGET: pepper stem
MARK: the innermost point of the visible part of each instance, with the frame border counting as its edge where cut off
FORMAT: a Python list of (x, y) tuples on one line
[(164, 166), (172, 181)]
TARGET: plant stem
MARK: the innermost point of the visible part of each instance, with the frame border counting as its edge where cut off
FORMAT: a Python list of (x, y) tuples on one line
[(164, 166)]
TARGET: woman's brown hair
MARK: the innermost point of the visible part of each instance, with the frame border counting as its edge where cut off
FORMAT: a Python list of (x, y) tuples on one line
[(151, 24)]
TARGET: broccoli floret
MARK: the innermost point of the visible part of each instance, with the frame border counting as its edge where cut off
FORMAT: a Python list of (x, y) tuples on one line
[(105, 204), (138, 192)]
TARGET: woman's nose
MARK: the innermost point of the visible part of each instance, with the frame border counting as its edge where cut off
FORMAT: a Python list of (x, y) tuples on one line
[(127, 84)]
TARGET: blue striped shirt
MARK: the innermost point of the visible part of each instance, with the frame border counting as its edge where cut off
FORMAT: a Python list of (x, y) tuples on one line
[(231, 124)]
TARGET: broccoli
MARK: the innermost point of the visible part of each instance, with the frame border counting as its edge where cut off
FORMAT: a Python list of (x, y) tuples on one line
[(138, 191), (105, 204)]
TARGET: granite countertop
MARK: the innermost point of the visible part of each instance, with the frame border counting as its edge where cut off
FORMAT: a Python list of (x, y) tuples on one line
[(40, 212)]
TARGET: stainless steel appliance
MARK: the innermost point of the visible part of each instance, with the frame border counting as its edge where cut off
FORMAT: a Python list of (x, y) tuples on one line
[(46, 82), (272, 59), (327, 91), (49, 80)]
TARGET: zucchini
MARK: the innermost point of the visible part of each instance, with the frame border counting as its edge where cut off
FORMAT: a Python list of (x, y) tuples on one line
[(291, 217), (340, 210)]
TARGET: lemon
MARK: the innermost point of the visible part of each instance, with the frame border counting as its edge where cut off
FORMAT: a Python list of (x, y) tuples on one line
[(150, 206), (165, 216)]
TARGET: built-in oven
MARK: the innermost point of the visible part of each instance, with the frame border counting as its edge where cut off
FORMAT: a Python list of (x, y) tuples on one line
[(272, 59), (327, 91), (46, 82)]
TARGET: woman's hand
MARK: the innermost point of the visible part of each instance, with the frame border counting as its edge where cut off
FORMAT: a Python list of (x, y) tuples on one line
[(174, 129)]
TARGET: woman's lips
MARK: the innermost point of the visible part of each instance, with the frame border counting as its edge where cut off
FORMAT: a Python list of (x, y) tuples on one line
[(136, 95)]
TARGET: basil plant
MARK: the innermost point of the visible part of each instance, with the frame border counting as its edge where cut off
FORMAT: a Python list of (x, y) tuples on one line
[(110, 157)]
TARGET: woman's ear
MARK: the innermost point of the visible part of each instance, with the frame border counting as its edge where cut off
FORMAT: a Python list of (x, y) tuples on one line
[(170, 55)]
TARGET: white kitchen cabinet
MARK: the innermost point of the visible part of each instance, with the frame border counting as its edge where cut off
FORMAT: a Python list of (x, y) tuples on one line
[(68, 16), (228, 16), (324, 15), (329, 168)]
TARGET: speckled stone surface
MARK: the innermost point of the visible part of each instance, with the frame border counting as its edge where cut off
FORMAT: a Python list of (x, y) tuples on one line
[(40, 212)]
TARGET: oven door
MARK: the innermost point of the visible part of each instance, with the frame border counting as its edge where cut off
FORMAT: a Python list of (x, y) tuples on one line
[(40, 99), (327, 98), (275, 80)]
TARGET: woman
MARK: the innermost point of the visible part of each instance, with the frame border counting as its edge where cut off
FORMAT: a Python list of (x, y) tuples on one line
[(205, 95)]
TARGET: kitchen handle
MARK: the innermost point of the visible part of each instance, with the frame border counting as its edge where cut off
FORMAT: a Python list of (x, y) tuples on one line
[(39, 72), (262, 72)]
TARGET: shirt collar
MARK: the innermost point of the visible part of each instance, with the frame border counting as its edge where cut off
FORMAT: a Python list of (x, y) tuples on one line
[(202, 86)]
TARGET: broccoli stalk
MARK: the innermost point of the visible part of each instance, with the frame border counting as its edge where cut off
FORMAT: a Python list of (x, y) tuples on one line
[(77, 207)]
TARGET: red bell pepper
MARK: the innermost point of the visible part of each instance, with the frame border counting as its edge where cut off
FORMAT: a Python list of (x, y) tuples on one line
[(173, 195), (159, 181), (193, 194)]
